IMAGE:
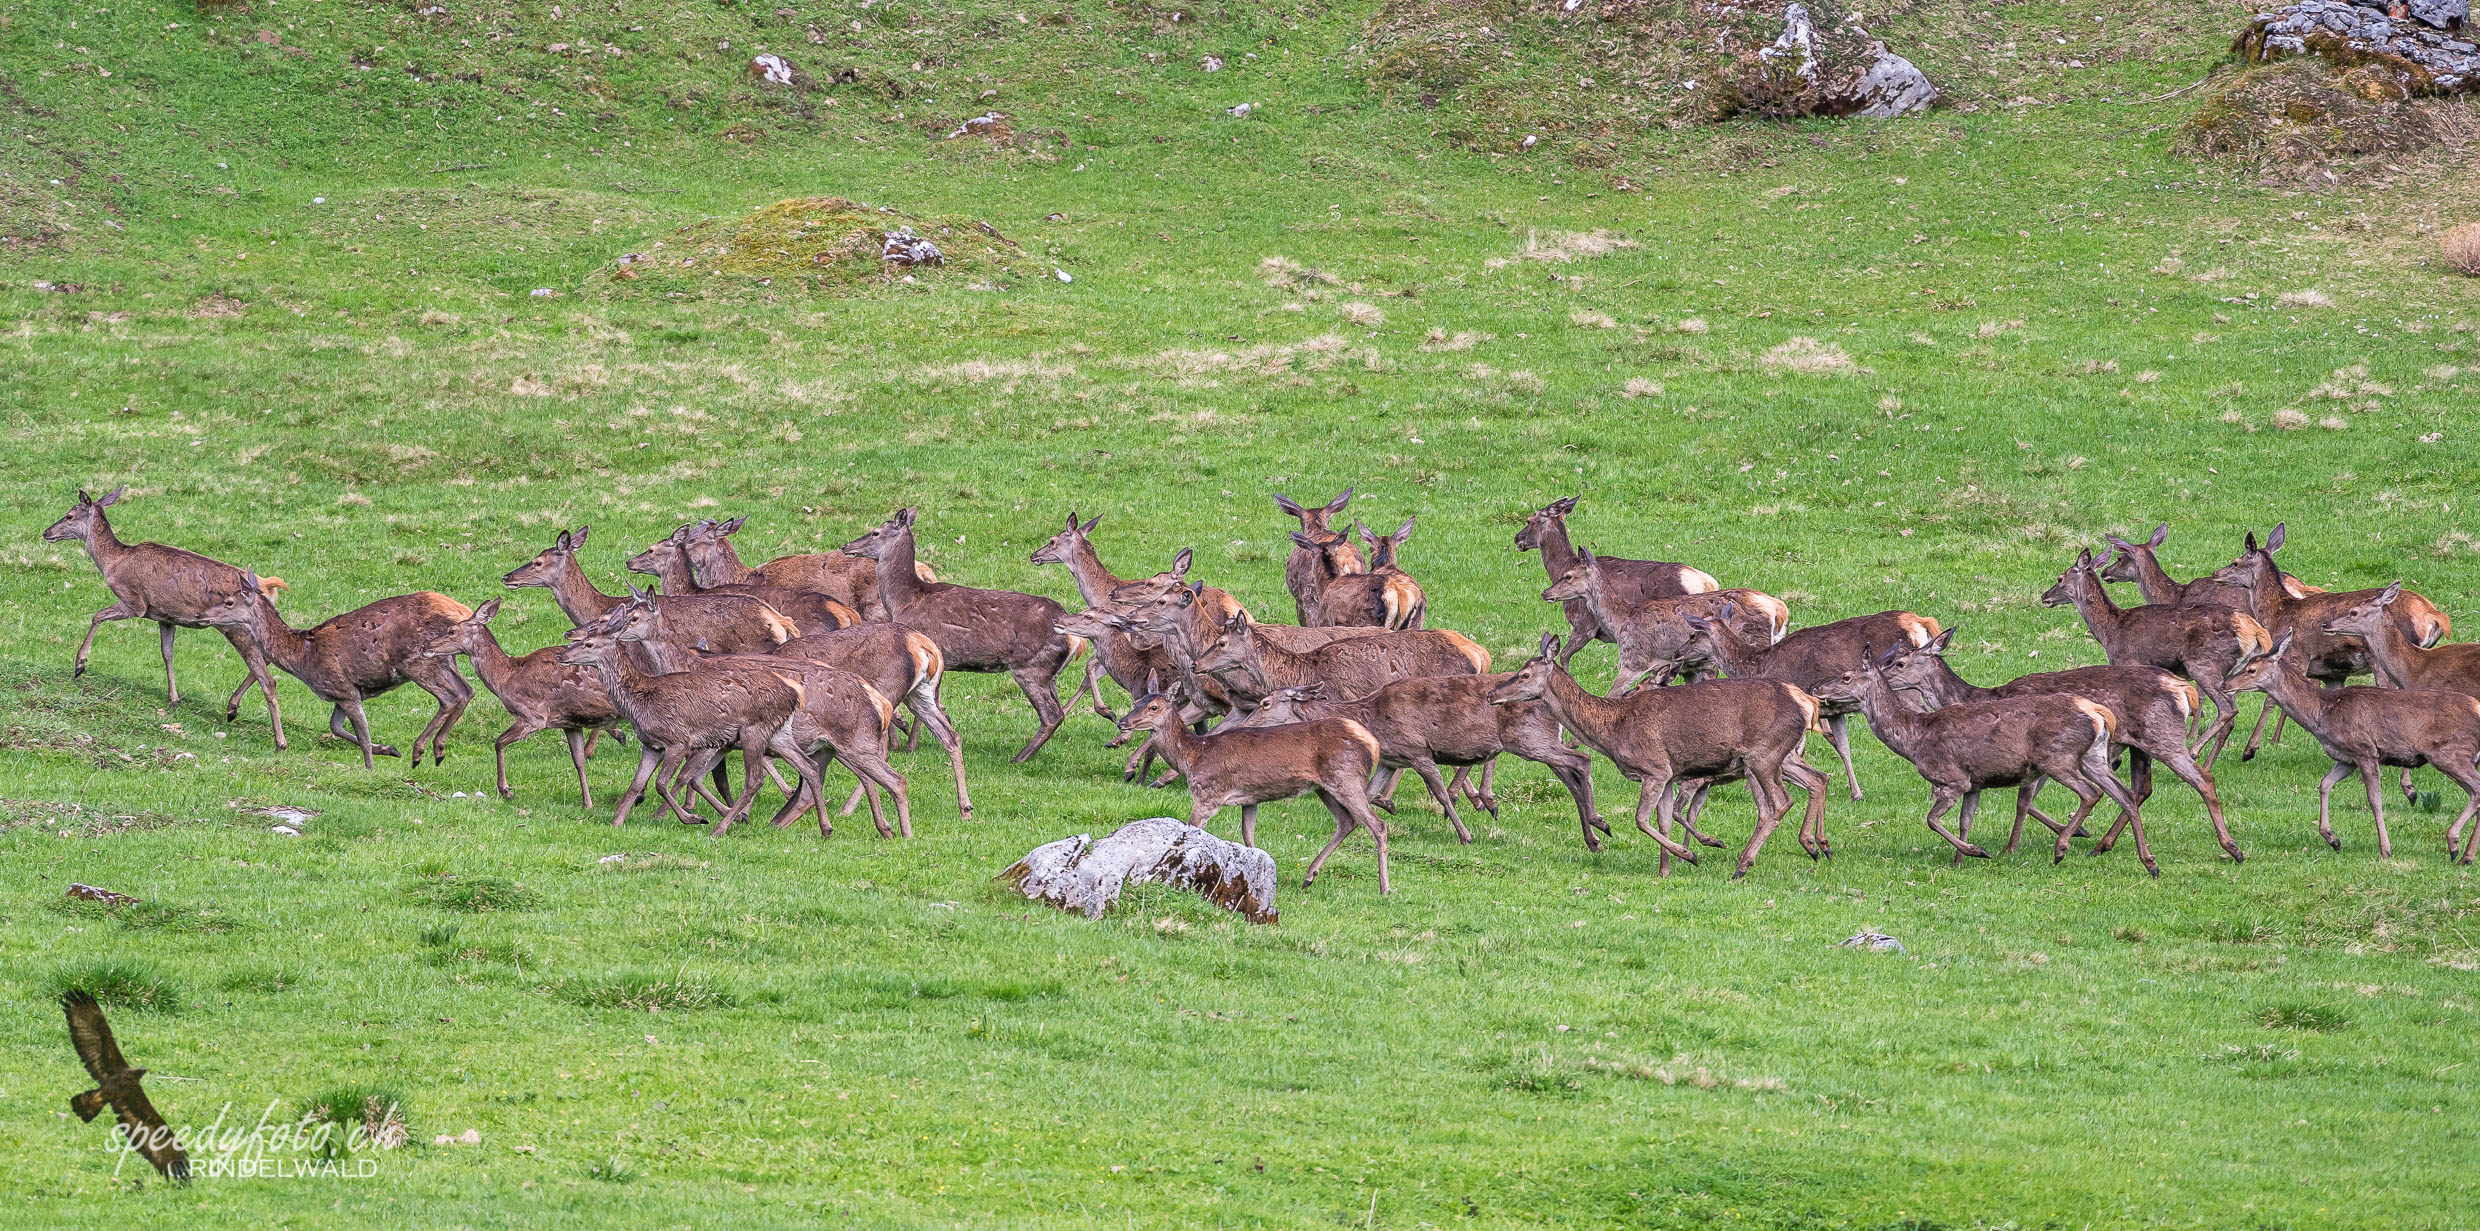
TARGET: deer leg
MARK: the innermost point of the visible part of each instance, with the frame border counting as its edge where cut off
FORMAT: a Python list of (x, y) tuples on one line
[(1488, 798), (1582, 630), (2225, 719), (2324, 804), (1648, 798), (451, 693), (928, 712), (1813, 820), (663, 787), (1093, 685), (2373, 774), (1382, 789), (580, 747), (647, 759), (1772, 804), (1838, 732), (1695, 809), (1972, 804), (1350, 802), (2248, 753), (1248, 825), (1039, 684), (1575, 772), (877, 770), (1439, 791), (2140, 788), (2411, 794), (499, 753), (172, 687), (2467, 778), (117, 611), (2195, 776), (1943, 798), (352, 708), (1345, 823)]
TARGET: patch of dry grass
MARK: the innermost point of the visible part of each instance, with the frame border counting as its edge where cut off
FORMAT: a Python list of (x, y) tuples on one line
[(1808, 357)]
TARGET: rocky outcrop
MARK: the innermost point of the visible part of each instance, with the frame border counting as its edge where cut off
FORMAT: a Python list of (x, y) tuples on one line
[(2424, 45), (1086, 876), (1838, 70)]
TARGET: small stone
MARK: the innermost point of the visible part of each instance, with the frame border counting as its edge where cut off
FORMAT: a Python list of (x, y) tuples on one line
[(286, 831)]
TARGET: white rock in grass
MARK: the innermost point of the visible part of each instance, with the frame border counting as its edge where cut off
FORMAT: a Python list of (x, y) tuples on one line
[(1081, 874), (286, 831)]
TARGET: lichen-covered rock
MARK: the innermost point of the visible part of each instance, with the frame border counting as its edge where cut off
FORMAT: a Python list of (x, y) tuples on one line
[(1084, 875), (2418, 42), (1839, 70)]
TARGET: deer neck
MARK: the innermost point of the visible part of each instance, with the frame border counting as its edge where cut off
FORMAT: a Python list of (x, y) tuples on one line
[(2267, 600), (2391, 653), (1590, 717), (672, 569), (1895, 726), (663, 651), (2299, 696), (102, 546), (1597, 596), (2100, 614), (725, 568), (491, 662), (621, 684), (2155, 585), (898, 584), (1093, 581), (1946, 688), (285, 646), (1177, 745), (1557, 554), (576, 595), (1734, 655)]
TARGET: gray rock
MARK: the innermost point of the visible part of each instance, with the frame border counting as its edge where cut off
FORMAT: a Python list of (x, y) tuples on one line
[(1086, 876), (2443, 14)]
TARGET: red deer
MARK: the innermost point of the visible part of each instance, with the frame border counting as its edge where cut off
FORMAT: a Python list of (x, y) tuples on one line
[(1632, 581), (849, 580), (2141, 563), (1249, 666), (1332, 758), (1308, 570), (724, 623), (1383, 596), (2203, 642), (1446, 720), (2328, 659), (538, 692), (2153, 709), (2403, 663), (172, 587), (905, 667), (679, 715), (667, 561), (2022, 742), (1718, 730), (1117, 653), (977, 630), (1806, 659), (1652, 634), (2368, 729), (359, 655)]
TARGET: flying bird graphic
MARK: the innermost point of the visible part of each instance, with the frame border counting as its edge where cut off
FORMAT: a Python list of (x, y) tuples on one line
[(116, 1085)]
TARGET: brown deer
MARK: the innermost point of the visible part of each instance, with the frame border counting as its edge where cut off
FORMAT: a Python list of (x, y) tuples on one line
[(2368, 729), (1805, 659), (1127, 658), (723, 623), (1719, 729), (1249, 666), (2202, 642), (1632, 582), (172, 587), (1308, 570), (667, 561), (359, 655), (849, 580), (539, 693), (905, 667), (2328, 659), (2140, 563), (2400, 662), (683, 713), (1332, 758), (1445, 720), (1384, 596), (841, 716), (2153, 709), (1651, 635), (2022, 742), (977, 630)]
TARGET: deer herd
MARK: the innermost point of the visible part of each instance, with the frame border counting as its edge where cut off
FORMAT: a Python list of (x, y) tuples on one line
[(805, 661)]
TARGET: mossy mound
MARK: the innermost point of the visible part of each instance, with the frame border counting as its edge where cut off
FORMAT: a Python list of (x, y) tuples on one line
[(809, 245), (2300, 120)]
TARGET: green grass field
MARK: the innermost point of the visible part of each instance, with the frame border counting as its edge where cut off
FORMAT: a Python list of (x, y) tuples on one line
[(1914, 364)]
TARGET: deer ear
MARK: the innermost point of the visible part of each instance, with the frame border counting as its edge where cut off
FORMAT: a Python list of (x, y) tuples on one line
[(2251, 541), (732, 525), (1938, 644), (483, 613), (905, 516), (1304, 541), (1153, 681), (1287, 504), (1314, 690), (579, 539), (2118, 544), (1730, 607), (1366, 536), (113, 496), (1549, 645), (2160, 533), (1584, 556), (1072, 521), (1892, 652), (1090, 523), (1403, 531), (1335, 505), (2283, 644), (249, 582), (2084, 559), (83, 498), (1180, 562), (561, 543), (1562, 506), (1700, 623), (2273, 541), (2392, 592)]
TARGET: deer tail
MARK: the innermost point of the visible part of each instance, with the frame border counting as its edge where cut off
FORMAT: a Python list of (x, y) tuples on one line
[(2191, 698), (1811, 710), (2104, 724), (1473, 653), (1921, 629), (1076, 646), (1361, 735), (1696, 581)]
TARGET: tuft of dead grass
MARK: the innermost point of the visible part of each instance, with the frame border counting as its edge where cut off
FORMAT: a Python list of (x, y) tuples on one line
[(2304, 299), (2461, 247), (1592, 320), (1564, 246), (1366, 315), (1808, 357), (1640, 387), (1462, 339)]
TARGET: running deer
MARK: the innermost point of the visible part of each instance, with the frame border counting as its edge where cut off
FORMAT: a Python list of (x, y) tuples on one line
[(2204, 643), (1308, 570), (840, 717), (2401, 662), (683, 713), (904, 666), (172, 587), (1446, 720), (2368, 729), (667, 561), (2328, 659), (1806, 659), (1632, 582), (724, 623), (2023, 742), (1332, 758), (359, 655), (2140, 563), (1652, 634), (977, 630), (1249, 666), (1384, 596), (537, 690), (1719, 730), (849, 580), (1127, 658), (2153, 709)]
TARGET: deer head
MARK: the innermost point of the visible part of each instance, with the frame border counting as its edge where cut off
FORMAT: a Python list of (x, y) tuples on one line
[(872, 545), (1156, 710), (2366, 619), (1230, 647), (1577, 581), (1852, 686), (590, 646), (1532, 679), (246, 608), (1914, 669), (2122, 564), (1383, 549), (1314, 519), (2255, 566), (554, 560), (1091, 623), (1539, 524), (2079, 580), (2258, 673), (1063, 545), (669, 551), (83, 517), (462, 636)]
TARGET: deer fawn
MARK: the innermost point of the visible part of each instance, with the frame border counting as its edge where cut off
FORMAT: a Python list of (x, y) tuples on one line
[(2022, 742), (1717, 730), (1805, 659), (172, 587), (1632, 582), (1652, 634), (849, 580), (2153, 709), (725, 623), (667, 561), (359, 655), (1332, 758), (1308, 570), (2204, 643), (1384, 596), (538, 692), (977, 630), (2368, 729)]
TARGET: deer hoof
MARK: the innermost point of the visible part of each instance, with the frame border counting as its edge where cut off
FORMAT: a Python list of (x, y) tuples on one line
[(1384, 805), (2247, 754), (1709, 841), (1972, 851), (2335, 843), (507, 793), (383, 750), (77, 671), (2153, 868), (2235, 855)]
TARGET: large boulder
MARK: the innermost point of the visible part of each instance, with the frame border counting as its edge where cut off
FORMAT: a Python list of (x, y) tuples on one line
[(1086, 876), (2423, 46), (1836, 69)]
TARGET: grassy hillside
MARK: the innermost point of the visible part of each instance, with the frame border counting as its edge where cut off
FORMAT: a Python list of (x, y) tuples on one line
[(331, 287)]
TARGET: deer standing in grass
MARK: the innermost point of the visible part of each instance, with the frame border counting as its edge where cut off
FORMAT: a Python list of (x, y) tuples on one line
[(1116, 653), (2368, 729), (849, 580), (1805, 659), (2153, 709), (680, 714), (172, 587), (1382, 596), (1332, 758), (1718, 730), (1310, 568), (1651, 635), (976, 630), (2399, 661), (2023, 742), (1632, 582), (725, 623), (539, 692), (359, 655), (2329, 659), (667, 560), (2202, 642)]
